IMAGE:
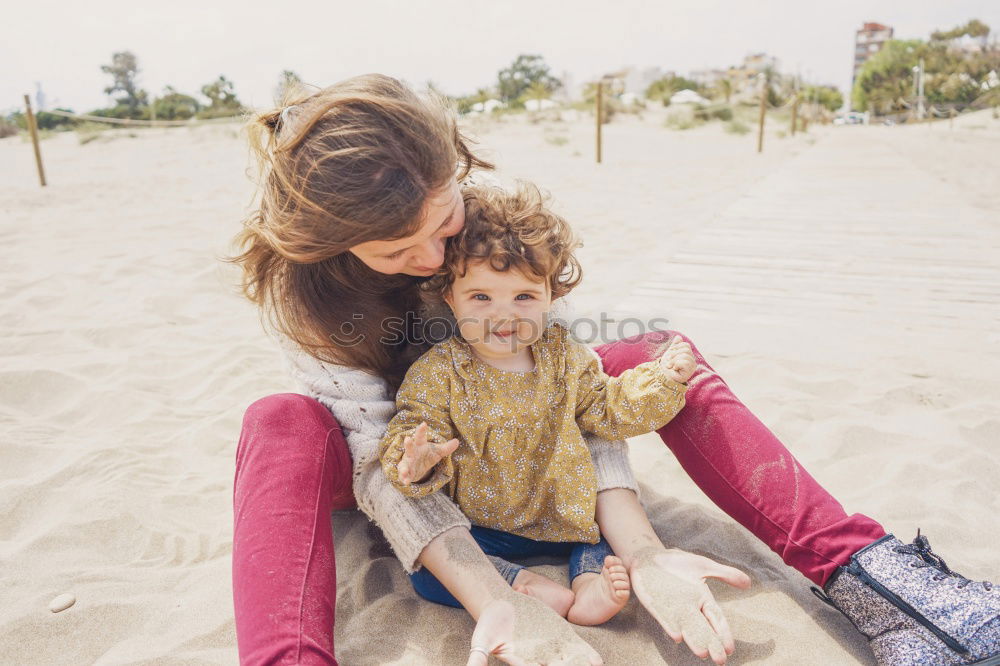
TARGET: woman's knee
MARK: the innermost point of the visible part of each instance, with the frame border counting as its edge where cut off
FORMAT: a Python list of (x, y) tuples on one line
[(629, 352), (283, 410), (278, 425), (293, 436)]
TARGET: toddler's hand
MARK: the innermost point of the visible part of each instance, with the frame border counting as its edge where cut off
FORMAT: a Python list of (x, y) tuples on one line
[(420, 456), (678, 361)]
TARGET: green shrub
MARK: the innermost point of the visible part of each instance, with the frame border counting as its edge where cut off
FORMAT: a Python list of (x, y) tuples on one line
[(682, 117), (51, 121), (715, 112), (736, 127), (88, 131), (7, 128)]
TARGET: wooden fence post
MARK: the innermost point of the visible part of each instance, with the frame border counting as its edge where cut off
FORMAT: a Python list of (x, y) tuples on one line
[(600, 102), (763, 108), (33, 129), (795, 113)]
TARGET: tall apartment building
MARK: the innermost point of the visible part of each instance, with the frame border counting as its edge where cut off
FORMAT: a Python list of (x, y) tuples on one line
[(868, 41)]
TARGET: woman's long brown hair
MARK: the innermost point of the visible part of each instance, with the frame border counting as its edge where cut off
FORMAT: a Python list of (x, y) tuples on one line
[(351, 163)]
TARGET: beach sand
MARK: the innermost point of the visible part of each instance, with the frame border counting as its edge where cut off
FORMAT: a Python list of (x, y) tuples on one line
[(844, 283)]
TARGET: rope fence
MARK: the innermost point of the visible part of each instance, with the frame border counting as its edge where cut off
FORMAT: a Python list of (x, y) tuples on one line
[(792, 101), (132, 122), (32, 122)]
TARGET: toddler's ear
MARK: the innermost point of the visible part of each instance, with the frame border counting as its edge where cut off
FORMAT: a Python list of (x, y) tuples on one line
[(448, 298)]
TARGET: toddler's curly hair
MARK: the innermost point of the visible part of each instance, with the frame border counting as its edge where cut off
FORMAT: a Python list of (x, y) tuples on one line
[(509, 229)]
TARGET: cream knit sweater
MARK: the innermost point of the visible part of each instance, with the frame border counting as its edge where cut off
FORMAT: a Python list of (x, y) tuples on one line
[(362, 405)]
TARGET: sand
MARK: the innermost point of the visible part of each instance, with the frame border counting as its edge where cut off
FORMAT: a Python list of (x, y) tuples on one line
[(845, 283)]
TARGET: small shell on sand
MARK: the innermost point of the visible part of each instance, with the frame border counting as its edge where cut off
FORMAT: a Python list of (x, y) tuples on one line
[(62, 602)]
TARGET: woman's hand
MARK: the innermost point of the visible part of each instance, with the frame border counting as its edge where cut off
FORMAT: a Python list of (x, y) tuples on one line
[(420, 456), (518, 630), (670, 584), (678, 361)]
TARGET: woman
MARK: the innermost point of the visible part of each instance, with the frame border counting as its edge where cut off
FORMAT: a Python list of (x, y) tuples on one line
[(360, 192)]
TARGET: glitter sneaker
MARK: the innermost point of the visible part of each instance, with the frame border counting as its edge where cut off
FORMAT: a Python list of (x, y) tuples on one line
[(914, 609)]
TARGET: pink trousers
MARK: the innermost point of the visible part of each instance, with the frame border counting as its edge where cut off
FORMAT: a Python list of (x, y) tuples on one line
[(293, 468)]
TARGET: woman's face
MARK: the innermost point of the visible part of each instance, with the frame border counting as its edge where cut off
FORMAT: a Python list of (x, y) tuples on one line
[(422, 253)]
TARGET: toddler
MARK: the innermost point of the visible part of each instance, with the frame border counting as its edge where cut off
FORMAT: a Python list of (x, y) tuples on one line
[(495, 413)]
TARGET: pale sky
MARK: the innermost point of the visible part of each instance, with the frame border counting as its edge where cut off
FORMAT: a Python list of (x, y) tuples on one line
[(458, 45)]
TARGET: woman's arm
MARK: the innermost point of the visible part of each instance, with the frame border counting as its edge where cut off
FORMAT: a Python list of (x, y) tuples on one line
[(362, 405)]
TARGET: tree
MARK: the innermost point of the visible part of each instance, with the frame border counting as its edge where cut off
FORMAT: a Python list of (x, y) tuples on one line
[(663, 89), (51, 121), (886, 79), (536, 91), (174, 105), (288, 82), (12, 124), (724, 88), (974, 28), (465, 104), (952, 77), (610, 104), (124, 69), (779, 88), (222, 99), (525, 71), (828, 97)]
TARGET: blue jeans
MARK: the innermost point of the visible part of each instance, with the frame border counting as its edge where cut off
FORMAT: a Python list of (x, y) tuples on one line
[(583, 558)]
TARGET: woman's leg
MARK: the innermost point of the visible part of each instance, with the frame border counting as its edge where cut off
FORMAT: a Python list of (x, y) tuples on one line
[(293, 468), (747, 471)]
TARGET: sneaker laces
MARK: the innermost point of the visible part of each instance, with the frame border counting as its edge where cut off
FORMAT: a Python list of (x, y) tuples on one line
[(928, 558)]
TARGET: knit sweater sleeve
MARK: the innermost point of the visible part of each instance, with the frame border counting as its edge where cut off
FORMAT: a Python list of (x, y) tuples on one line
[(362, 405)]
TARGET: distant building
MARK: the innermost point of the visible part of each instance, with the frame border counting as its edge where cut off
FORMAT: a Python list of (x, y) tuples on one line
[(638, 80), (758, 62), (744, 78), (868, 41), (567, 92), (708, 78)]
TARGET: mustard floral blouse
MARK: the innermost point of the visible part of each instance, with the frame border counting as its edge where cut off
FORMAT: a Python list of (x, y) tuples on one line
[(522, 465)]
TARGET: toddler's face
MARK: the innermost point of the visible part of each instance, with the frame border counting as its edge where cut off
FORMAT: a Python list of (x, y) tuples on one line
[(499, 313)]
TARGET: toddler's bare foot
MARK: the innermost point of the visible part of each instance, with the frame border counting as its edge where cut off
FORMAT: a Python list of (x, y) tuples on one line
[(599, 597), (549, 592)]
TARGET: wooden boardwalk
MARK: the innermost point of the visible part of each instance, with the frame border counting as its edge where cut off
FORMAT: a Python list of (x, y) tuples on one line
[(846, 238)]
